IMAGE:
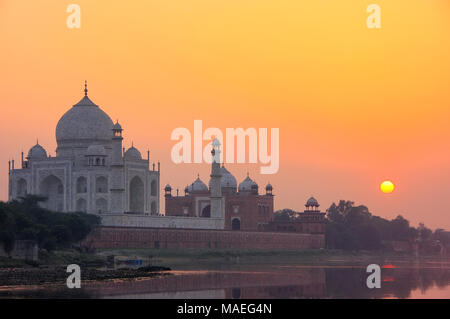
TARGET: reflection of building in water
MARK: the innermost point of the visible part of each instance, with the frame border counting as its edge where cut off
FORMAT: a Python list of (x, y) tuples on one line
[(313, 290), (298, 283)]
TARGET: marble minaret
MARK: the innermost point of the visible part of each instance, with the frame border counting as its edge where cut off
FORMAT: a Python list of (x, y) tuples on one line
[(215, 187)]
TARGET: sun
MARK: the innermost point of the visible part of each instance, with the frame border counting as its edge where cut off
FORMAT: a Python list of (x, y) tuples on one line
[(387, 187)]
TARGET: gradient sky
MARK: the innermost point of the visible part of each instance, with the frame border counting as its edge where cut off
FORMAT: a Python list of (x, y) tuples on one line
[(354, 105)]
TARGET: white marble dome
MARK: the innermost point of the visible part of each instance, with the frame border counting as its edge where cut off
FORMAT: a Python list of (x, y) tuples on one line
[(227, 180), (37, 152), (246, 185), (197, 186), (133, 153), (84, 121)]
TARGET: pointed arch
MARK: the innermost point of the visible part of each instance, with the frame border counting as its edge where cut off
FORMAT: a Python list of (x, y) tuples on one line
[(21, 187), (235, 224), (101, 184), (153, 189), (136, 195), (52, 188), (81, 186), (206, 211)]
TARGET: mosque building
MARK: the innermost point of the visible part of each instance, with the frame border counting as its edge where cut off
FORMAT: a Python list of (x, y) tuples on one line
[(244, 208), (91, 172)]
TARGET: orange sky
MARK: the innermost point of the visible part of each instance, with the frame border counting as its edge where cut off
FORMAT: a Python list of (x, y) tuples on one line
[(354, 105)]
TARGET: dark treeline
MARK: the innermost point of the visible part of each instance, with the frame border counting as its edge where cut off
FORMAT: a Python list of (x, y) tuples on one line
[(352, 227), (25, 219)]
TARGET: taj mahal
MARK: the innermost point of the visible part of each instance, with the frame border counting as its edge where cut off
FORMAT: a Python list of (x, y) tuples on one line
[(91, 172)]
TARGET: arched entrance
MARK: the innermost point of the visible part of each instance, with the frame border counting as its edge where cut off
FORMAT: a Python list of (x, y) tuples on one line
[(52, 188), (235, 224), (136, 195), (101, 184), (21, 187), (81, 185), (153, 188), (206, 211)]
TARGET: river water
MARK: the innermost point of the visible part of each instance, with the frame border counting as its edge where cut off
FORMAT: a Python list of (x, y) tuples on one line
[(398, 280)]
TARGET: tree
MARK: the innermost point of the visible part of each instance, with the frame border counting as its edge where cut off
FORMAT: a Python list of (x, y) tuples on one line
[(25, 219), (285, 215)]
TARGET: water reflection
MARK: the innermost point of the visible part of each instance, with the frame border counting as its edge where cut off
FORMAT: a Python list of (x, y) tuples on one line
[(395, 283), (280, 281), (290, 282)]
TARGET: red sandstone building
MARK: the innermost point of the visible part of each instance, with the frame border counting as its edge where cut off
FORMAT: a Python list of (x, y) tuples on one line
[(310, 221), (245, 209)]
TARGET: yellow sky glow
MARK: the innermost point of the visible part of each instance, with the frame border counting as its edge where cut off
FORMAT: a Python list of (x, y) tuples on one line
[(354, 105)]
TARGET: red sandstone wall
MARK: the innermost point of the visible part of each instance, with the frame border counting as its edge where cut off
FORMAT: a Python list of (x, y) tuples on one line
[(249, 213), (128, 237)]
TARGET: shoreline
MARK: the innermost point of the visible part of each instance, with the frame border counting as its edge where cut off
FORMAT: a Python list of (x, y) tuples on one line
[(51, 269)]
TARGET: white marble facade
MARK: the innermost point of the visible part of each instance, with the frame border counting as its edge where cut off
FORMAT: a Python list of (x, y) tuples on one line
[(91, 172)]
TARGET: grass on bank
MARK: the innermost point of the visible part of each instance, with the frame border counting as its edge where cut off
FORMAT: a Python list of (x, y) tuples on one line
[(56, 258)]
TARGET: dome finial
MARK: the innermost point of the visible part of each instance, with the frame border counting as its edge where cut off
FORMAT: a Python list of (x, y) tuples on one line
[(85, 88)]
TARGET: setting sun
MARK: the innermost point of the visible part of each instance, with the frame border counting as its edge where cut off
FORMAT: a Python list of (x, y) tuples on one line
[(387, 187)]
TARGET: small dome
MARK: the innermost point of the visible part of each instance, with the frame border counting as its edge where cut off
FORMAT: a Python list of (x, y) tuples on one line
[(133, 153), (37, 152), (197, 186), (247, 184), (95, 150), (168, 188), (312, 202), (117, 126), (269, 187), (227, 180)]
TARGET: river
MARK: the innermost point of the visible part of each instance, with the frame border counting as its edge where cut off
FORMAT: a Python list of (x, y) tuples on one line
[(275, 281)]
